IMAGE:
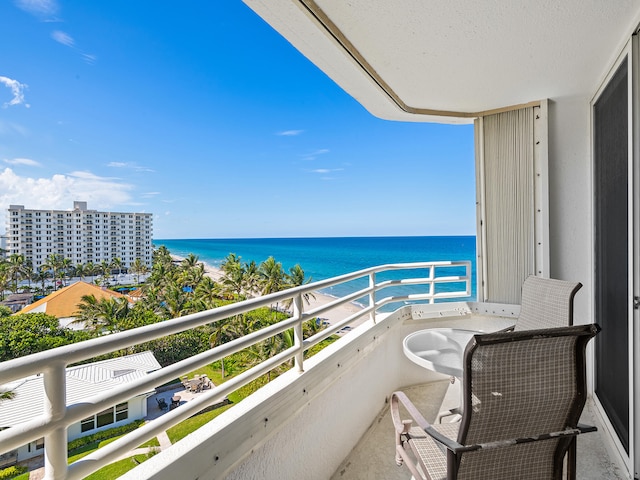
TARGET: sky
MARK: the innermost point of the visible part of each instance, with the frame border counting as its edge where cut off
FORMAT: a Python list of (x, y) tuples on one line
[(202, 114)]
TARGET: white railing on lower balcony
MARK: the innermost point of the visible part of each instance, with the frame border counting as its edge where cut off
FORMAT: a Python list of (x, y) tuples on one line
[(58, 416)]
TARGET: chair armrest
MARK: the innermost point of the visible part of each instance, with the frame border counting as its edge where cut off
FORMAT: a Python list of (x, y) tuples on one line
[(508, 329), (586, 428), (569, 432), (402, 426)]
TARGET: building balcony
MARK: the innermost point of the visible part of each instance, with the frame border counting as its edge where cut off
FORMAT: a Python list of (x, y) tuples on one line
[(327, 415)]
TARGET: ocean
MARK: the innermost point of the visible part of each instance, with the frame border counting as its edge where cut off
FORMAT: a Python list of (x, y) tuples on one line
[(322, 258)]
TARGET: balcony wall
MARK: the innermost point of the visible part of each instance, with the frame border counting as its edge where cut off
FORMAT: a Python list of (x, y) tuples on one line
[(303, 425)]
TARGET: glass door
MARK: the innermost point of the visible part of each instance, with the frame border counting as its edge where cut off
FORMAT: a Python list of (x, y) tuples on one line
[(613, 309)]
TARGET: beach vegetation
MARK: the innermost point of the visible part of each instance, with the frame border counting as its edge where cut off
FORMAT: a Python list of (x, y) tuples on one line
[(173, 288), (29, 333), (104, 315)]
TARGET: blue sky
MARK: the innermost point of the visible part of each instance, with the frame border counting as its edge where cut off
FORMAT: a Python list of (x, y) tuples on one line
[(201, 114)]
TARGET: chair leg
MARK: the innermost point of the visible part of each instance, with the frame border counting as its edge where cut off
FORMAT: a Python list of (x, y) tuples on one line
[(571, 460)]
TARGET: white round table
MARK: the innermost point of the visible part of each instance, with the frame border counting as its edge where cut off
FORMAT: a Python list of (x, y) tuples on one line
[(438, 349)]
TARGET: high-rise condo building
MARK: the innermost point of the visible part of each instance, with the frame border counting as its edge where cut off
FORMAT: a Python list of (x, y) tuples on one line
[(80, 235)]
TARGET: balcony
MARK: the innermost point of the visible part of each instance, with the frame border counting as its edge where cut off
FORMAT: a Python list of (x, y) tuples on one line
[(326, 415)]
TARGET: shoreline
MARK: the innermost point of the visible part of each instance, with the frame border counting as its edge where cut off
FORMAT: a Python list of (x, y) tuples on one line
[(332, 316)]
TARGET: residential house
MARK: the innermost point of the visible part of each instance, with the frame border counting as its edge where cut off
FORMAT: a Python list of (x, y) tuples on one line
[(63, 303), (82, 382)]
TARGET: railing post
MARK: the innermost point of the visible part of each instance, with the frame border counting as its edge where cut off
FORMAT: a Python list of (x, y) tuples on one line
[(432, 284), (297, 332), (372, 295), (55, 406)]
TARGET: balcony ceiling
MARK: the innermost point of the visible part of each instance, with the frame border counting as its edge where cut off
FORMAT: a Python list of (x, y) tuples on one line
[(413, 59)]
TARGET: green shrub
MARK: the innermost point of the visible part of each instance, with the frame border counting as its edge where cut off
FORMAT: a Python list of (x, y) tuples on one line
[(12, 472), (103, 435)]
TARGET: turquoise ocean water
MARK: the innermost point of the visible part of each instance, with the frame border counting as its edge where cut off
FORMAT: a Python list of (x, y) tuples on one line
[(323, 258)]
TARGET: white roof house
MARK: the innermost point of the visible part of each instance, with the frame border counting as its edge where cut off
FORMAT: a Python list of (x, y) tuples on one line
[(83, 382)]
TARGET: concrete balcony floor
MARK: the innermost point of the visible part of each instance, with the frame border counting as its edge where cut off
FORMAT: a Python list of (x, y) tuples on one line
[(374, 456)]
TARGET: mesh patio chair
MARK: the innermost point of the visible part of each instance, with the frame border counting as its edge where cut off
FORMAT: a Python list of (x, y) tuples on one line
[(546, 303), (523, 393)]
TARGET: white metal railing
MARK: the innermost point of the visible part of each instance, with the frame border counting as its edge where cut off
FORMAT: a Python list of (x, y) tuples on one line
[(57, 415)]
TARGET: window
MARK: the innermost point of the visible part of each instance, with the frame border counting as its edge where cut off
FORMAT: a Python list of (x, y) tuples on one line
[(122, 411), (40, 443), (88, 424), (105, 417)]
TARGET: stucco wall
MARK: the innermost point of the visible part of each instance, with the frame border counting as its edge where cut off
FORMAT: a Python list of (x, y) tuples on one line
[(570, 199)]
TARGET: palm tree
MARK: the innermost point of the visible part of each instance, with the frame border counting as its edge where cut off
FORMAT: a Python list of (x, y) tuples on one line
[(116, 264), (207, 294), (233, 277), (90, 270), (4, 279), (190, 261), (17, 269), (272, 277), (230, 262), (192, 276), (161, 274), (251, 280), (266, 349), (54, 264), (41, 276), (80, 270), (295, 278), (105, 268), (102, 315), (65, 270), (138, 268), (162, 255), (28, 272), (175, 303)]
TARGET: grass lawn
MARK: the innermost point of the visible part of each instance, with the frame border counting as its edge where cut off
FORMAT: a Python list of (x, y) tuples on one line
[(184, 428), (181, 430), (92, 447), (117, 469)]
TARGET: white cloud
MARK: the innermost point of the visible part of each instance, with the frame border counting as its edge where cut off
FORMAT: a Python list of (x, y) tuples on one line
[(22, 161), (314, 155), (290, 133), (327, 170), (60, 191), (17, 90), (89, 58), (63, 38), (44, 9), (131, 166)]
